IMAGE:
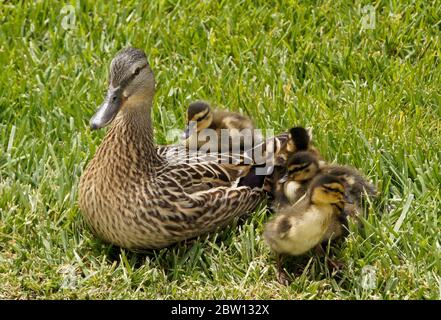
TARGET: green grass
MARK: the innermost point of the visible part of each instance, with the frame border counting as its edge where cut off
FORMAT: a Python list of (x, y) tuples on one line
[(373, 98)]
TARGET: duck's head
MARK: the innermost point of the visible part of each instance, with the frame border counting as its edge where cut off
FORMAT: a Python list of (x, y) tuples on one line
[(327, 189), (301, 166), (131, 86), (199, 117)]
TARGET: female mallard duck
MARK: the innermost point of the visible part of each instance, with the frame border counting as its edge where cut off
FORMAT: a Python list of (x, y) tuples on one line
[(136, 195), (218, 130), (298, 228)]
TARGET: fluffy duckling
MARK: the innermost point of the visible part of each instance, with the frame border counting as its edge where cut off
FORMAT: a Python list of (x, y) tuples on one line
[(237, 129), (306, 165), (297, 229), (299, 140), (303, 166), (357, 185)]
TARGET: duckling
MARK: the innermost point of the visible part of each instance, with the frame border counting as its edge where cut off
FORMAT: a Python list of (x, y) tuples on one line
[(358, 186), (303, 166), (358, 189), (237, 129), (299, 139), (297, 229)]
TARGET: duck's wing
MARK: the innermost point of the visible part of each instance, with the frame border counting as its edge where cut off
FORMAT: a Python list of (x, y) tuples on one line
[(197, 176), (179, 153), (202, 171), (196, 171), (183, 204), (190, 215)]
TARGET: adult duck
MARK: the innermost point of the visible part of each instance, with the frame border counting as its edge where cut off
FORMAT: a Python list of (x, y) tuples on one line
[(140, 196)]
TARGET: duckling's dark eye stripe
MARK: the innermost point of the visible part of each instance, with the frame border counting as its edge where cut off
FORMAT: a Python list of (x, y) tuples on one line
[(333, 189), (203, 117), (296, 169)]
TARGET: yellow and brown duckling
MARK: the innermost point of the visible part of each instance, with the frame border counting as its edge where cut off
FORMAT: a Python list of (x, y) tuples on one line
[(356, 184), (300, 169), (298, 228), (304, 165), (299, 140), (358, 189), (218, 130)]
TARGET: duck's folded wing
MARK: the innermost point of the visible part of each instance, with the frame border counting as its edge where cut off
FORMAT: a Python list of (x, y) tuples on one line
[(196, 171), (261, 150), (206, 211), (199, 176)]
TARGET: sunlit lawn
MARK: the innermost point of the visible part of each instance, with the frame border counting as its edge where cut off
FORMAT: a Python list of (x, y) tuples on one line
[(372, 96)]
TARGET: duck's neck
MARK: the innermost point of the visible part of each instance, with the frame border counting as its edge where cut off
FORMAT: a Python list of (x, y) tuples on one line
[(130, 139)]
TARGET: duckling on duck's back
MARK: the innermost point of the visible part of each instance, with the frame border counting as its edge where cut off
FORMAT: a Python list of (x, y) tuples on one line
[(130, 193), (218, 128)]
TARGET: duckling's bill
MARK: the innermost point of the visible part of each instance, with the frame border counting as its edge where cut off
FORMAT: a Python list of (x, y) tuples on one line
[(190, 129)]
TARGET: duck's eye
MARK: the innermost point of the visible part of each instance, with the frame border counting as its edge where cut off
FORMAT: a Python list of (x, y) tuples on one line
[(137, 71)]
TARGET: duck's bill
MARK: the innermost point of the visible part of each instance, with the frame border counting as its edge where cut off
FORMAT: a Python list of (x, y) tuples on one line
[(348, 198), (107, 111)]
